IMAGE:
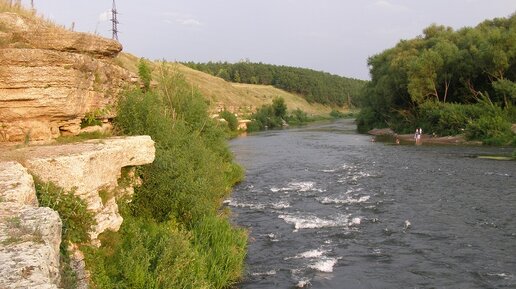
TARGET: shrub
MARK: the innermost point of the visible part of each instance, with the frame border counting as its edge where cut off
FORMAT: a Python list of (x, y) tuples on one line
[(337, 114), (77, 220), (147, 254), (298, 116), (231, 120), (223, 247), (171, 236), (492, 130), (145, 74)]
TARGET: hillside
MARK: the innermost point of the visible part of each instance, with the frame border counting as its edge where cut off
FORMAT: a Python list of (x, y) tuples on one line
[(314, 86), (236, 97)]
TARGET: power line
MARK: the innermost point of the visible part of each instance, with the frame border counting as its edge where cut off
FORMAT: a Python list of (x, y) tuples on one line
[(114, 21)]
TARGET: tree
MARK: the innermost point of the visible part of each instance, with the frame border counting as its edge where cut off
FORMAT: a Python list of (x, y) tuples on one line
[(279, 107)]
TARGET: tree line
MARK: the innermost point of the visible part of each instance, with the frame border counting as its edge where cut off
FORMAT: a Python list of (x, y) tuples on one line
[(443, 69), (314, 86)]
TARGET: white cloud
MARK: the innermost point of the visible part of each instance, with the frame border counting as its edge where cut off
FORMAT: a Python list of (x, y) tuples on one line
[(189, 22), (386, 5), (181, 19)]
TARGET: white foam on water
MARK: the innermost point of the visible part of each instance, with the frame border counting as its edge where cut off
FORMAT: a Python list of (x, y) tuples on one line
[(329, 171), (312, 254), (347, 167), (272, 237), (267, 273), (314, 222), (505, 276), (355, 221), (302, 186), (280, 205), (236, 204), (324, 265), (348, 200), (303, 283), (297, 186), (308, 254)]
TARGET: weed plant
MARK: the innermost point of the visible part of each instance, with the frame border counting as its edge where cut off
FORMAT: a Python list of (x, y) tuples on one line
[(77, 222), (173, 235)]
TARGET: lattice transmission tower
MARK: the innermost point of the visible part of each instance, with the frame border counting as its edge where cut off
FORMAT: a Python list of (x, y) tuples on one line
[(114, 21)]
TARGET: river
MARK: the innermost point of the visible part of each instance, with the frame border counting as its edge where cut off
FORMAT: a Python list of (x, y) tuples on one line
[(327, 208)]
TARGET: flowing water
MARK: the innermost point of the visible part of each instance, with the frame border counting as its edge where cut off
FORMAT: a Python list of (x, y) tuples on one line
[(327, 208)]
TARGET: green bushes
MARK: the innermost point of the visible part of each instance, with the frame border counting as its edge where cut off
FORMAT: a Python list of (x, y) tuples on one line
[(231, 120), (77, 222), (222, 247), (481, 121), (492, 130), (173, 235), (297, 117), (275, 115)]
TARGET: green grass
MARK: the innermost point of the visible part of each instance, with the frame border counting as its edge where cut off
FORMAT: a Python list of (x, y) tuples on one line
[(173, 235)]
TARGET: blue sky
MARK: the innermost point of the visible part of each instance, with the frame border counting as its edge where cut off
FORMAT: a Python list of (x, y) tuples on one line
[(336, 36)]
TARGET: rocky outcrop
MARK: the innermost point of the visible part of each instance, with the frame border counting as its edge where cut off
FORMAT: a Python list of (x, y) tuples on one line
[(91, 169), (16, 184), (29, 236), (50, 78)]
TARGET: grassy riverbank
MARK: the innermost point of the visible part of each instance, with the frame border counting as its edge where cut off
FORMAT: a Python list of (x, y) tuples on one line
[(174, 234)]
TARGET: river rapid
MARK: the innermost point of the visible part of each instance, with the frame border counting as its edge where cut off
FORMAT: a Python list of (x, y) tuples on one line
[(327, 208)]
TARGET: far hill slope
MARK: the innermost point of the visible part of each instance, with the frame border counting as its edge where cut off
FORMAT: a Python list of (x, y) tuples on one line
[(315, 86), (236, 97)]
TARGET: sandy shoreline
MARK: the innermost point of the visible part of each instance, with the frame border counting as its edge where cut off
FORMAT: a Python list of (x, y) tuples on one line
[(426, 138)]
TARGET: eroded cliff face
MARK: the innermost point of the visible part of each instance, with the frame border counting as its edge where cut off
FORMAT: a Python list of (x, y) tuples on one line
[(91, 170), (29, 235), (50, 78)]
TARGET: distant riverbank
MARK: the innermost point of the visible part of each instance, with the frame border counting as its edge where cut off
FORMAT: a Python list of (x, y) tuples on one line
[(387, 134)]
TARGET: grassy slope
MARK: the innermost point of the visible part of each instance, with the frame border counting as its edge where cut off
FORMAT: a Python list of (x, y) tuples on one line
[(236, 97)]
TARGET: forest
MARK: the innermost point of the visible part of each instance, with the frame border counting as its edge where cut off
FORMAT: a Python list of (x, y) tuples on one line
[(448, 82), (314, 86)]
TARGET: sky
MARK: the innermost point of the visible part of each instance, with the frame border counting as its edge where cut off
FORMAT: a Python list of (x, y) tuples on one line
[(336, 36)]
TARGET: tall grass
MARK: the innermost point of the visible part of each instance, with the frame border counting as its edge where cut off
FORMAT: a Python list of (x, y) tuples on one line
[(173, 235)]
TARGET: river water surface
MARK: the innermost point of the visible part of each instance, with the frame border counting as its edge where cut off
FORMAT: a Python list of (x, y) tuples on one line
[(327, 208)]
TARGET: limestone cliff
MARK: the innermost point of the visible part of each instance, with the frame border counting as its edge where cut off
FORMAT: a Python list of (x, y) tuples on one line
[(90, 167), (50, 78), (29, 236)]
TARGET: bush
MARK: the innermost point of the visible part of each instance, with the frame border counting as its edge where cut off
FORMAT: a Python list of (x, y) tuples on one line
[(77, 220), (492, 130), (337, 114), (231, 120), (172, 236), (147, 254), (297, 116), (145, 74), (223, 247)]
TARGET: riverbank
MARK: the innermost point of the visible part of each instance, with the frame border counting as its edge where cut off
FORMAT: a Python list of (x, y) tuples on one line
[(389, 135)]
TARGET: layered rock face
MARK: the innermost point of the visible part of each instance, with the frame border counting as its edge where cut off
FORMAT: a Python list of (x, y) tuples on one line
[(29, 236), (50, 78), (91, 169)]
